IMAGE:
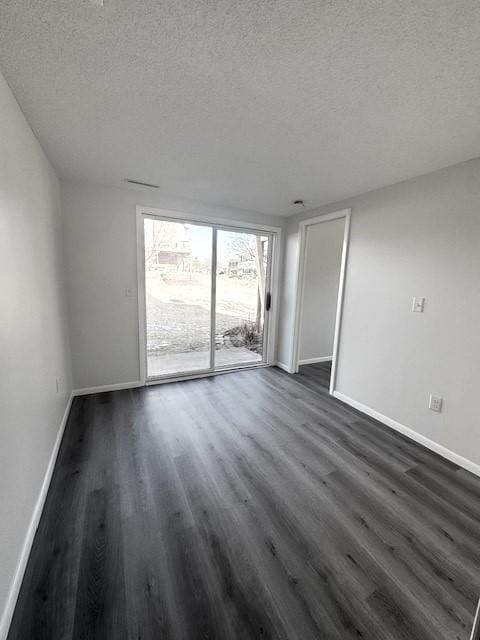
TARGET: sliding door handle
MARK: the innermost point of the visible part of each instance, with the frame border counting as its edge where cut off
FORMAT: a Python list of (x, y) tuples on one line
[(268, 301)]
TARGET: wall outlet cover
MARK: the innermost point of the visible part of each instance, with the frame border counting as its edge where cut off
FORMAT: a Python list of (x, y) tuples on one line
[(418, 305), (435, 403)]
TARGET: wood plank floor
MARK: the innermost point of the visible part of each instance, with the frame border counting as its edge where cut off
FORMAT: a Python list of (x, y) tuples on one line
[(248, 505)]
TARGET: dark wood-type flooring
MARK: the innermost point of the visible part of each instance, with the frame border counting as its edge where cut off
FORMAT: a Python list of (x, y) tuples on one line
[(249, 505)]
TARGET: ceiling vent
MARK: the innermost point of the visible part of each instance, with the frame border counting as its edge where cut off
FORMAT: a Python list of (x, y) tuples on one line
[(142, 184)]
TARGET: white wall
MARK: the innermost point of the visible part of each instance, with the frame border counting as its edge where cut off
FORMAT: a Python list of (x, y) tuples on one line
[(420, 237), (33, 336), (324, 243), (100, 240)]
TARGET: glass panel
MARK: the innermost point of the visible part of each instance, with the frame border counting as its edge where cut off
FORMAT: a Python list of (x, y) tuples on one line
[(178, 259), (240, 300)]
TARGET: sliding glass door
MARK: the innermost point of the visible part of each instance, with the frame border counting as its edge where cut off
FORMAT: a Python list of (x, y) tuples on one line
[(207, 297), (242, 261), (178, 268)]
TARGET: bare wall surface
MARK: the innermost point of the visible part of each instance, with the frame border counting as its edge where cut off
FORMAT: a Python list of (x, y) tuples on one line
[(417, 238), (100, 240), (33, 335), (323, 260)]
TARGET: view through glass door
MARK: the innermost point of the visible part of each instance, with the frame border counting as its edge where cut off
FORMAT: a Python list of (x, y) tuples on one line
[(207, 297), (242, 261)]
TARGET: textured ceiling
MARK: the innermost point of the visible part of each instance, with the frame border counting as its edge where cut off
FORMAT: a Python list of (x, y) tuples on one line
[(248, 103)]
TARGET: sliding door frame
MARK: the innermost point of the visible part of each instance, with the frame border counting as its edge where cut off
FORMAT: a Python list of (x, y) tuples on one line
[(267, 316), (273, 277)]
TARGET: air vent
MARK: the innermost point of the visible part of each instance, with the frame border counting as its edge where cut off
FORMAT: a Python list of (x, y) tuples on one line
[(142, 184)]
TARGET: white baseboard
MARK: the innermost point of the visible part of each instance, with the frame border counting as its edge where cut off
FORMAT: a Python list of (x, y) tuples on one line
[(7, 614), (107, 387), (410, 433), (283, 366), (314, 360)]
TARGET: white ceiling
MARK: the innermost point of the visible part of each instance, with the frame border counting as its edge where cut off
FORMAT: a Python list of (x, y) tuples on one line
[(248, 103)]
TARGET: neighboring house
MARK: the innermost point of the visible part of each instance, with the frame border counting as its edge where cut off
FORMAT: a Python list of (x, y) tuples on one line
[(167, 247), (244, 265)]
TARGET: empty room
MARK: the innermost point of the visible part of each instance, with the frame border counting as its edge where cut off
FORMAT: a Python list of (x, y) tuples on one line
[(240, 275)]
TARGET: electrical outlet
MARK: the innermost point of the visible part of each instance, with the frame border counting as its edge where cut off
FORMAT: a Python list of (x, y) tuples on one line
[(435, 403), (58, 385), (418, 305)]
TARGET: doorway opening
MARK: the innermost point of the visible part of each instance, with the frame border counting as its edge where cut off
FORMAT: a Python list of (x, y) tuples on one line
[(321, 275), (207, 297)]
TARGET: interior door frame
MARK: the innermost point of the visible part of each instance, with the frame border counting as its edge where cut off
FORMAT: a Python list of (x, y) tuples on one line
[(218, 224), (299, 291)]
